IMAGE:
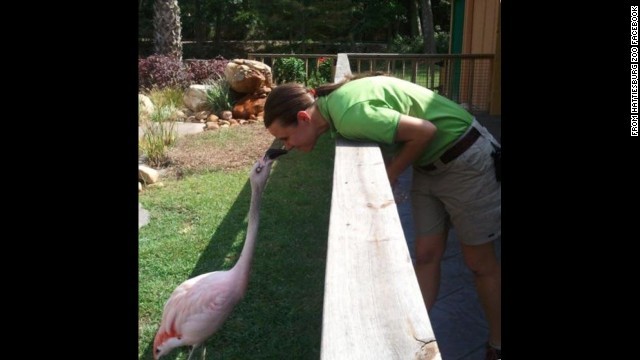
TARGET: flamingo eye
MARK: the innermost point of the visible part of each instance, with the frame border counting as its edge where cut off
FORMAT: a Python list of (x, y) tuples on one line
[(157, 350)]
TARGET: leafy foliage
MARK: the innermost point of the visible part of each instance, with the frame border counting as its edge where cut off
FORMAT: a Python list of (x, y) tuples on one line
[(414, 45), (325, 69), (162, 71), (372, 18), (289, 69), (441, 15), (327, 20), (203, 70), (324, 73), (442, 41), (407, 45), (291, 21)]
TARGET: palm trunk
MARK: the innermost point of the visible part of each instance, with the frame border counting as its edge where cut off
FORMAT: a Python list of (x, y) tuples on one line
[(168, 29)]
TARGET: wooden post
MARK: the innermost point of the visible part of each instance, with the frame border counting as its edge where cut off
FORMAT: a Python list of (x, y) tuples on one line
[(343, 68)]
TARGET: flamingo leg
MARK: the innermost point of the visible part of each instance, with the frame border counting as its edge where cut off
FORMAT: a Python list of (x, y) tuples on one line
[(191, 352)]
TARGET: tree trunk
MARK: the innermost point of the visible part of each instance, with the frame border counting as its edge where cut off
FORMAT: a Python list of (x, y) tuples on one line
[(427, 27), (167, 28), (414, 19)]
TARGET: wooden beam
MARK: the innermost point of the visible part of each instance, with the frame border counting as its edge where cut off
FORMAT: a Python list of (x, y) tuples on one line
[(373, 308)]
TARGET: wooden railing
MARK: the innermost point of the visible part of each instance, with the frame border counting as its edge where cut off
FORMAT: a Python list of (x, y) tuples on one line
[(311, 62), (373, 308), (463, 78)]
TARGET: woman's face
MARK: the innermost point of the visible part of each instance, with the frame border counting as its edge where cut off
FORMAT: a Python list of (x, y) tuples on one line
[(301, 136)]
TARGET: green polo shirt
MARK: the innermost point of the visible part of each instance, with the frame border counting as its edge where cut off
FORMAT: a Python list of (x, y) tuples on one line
[(369, 109)]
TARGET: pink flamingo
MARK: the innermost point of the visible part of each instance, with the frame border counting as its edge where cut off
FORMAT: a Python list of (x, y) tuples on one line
[(199, 306)]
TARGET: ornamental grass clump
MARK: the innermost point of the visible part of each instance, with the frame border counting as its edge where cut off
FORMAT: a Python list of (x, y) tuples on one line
[(218, 94), (159, 132)]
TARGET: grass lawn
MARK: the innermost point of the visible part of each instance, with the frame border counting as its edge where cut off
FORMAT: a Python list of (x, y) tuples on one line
[(198, 224)]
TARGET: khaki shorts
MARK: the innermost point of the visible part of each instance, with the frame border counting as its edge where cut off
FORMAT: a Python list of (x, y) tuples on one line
[(463, 193)]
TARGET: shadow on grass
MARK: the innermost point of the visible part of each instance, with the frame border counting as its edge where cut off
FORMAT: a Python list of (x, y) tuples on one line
[(281, 314)]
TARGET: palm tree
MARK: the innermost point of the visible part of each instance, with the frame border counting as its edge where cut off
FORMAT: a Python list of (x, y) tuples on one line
[(167, 36)]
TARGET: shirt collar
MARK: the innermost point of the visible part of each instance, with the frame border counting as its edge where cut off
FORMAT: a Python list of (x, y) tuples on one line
[(323, 107)]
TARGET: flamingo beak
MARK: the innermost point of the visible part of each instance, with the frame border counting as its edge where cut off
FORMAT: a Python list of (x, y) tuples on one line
[(274, 153), (269, 157)]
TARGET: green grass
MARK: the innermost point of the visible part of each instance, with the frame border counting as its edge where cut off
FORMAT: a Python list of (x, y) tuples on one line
[(198, 225), (422, 78)]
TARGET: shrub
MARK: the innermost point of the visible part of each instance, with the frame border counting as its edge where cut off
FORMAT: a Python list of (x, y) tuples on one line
[(323, 75), (442, 42), (159, 71), (203, 70), (324, 69), (415, 45), (407, 45), (289, 69), (218, 94)]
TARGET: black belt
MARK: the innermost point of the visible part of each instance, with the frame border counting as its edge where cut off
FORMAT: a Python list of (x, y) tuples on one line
[(456, 150)]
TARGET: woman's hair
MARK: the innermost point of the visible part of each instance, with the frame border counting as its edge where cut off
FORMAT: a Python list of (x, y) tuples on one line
[(284, 101)]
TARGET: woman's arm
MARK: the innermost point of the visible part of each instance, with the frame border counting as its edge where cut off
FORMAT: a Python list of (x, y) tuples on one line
[(415, 134)]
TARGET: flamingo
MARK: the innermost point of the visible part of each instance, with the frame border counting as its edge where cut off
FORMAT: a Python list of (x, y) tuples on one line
[(198, 307)]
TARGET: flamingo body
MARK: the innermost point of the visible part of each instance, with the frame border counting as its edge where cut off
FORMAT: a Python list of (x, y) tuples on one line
[(196, 309)]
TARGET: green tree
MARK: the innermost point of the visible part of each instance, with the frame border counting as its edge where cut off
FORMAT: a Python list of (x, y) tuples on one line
[(377, 20), (299, 22), (328, 20), (441, 14)]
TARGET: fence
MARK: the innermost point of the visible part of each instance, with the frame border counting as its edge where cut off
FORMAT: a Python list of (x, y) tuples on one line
[(373, 308), (463, 78)]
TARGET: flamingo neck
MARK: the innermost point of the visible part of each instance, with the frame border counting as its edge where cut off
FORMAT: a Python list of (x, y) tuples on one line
[(243, 266)]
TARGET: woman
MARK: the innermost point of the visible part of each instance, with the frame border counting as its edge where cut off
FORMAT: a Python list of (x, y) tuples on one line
[(454, 178)]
